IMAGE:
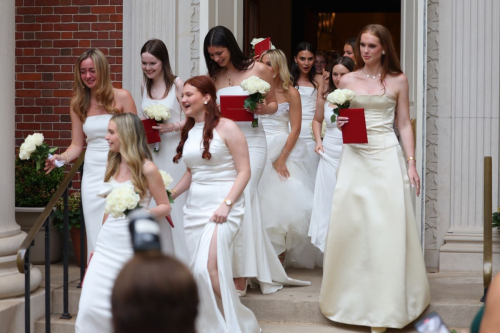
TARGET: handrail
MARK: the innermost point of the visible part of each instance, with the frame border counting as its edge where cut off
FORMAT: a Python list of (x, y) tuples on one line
[(21, 254), (487, 227)]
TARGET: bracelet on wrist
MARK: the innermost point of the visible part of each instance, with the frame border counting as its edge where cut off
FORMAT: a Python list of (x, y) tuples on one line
[(411, 158)]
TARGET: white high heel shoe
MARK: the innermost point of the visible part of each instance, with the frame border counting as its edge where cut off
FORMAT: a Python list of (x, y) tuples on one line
[(378, 329), (242, 293)]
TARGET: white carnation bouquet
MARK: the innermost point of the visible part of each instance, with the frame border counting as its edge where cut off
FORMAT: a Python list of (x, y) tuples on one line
[(167, 180), (257, 89), (341, 98), (160, 113), (323, 129), (36, 149), (121, 201)]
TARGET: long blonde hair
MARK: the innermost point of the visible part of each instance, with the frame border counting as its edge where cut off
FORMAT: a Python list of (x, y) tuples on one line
[(80, 103), (278, 63), (133, 149)]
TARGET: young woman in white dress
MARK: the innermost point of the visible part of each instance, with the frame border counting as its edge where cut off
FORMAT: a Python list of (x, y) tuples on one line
[(286, 181), (161, 87), (215, 152), (129, 164), (253, 253), (310, 87), (93, 104), (329, 149), (374, 272)]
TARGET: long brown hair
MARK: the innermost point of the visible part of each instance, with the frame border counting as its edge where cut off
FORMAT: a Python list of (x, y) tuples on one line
[(206, 87), (80, 102), (389, 61), (158, 49)]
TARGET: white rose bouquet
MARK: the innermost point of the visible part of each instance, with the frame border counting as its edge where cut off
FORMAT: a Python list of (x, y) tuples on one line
[(36, 149), (167, 180), (257, 88), (160, 113), (341, 98), (323, 129), (121, 201)]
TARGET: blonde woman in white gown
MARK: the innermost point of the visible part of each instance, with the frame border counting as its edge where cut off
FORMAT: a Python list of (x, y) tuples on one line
[(216, 155), (253, 253), (374, 273), (93, 104), (286, 180), (310, 87), (329, 149), (161, 87), (129, 164)]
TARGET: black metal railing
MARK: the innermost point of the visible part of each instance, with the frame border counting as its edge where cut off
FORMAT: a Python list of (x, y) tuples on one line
[(23, 255), (487, 225)]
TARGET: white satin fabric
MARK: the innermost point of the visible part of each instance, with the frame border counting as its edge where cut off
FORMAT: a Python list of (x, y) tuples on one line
[(374, 272), (253, 253), (211, 182), (172, 239), (326, 180), (308, 98), (286, 202), (113, 250), (94, 167)]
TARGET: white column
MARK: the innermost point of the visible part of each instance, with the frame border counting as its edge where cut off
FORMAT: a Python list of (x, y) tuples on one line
[(11, 237), (468, 127)]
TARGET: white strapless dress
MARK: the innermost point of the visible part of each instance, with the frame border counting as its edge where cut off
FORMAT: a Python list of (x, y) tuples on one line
[(96, 157), (308, 98), (326, 180), (253, 253), (286, 203), (113, 250), (172, 239), (211, 182)]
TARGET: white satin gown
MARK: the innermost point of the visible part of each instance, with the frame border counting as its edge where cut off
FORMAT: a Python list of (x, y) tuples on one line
[(374, 272), (94, 167), (253, 253), (113, 250), (308, 98), (211, 182), (326, 179), (172, 239), (286, 203)]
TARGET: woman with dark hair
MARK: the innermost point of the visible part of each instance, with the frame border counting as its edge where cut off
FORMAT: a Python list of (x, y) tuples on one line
[(253, 253), (310, 87), (329, 149), (374, 272), (349, 49), (161, 87), (215, 152)]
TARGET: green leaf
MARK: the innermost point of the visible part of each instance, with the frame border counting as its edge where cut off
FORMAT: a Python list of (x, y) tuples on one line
[(333, 118), (51, 150), (255, 123), (38, 165)]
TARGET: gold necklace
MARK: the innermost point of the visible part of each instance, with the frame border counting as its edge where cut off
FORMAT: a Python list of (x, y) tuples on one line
[(228, 73)]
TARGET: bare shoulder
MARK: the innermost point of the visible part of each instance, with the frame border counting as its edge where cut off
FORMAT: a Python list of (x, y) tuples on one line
[(149, 168), (347, 80), (179, 82), (398, 78), (121, 94), (293, 93), (226, 125)]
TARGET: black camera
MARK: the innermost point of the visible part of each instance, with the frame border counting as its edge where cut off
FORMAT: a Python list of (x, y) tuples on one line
[(144, 231)]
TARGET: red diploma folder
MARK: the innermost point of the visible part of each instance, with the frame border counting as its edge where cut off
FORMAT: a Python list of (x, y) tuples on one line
[(355, 130), (262, 46), (152, 135), (231, 107)]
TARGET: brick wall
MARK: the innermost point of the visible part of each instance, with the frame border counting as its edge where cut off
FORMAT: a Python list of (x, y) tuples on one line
[(50, 35)]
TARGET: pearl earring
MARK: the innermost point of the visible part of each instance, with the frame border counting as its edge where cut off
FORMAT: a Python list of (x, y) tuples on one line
[(206, 103), (383, 52)]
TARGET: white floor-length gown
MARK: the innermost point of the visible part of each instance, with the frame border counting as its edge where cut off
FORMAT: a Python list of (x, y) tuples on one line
[(211, 182), (253, 253), (94, 167), (326, 179), (172, 239), (286, 204), (113, 250), (308, 98)]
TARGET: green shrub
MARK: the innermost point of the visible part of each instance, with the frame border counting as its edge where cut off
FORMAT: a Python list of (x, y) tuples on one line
[(496, 219), (73, 212)]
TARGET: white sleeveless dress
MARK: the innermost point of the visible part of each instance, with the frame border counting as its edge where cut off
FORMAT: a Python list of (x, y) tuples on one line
[(113, 250), (253, 253), (210, 183), (326, 179), (308, 98), (94, 167), (286, 203), (172, 239)]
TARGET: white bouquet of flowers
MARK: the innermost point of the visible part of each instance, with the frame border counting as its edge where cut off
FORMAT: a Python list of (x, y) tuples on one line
[(167, 180), (323, 129), (257, 88), (341, 98), (121, 201), (34, 147), (158, 112)]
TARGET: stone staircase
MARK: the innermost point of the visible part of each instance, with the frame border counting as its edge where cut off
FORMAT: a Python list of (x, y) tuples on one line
[(455, 296)]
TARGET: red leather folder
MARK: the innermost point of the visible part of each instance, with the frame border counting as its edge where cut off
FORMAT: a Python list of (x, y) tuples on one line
[(262, 46), (231, 107), (355, 130), (152, 135)]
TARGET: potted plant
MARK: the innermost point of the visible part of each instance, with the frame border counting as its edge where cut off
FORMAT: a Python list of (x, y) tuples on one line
[(74, 213), (33, 191), (496, 219)]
